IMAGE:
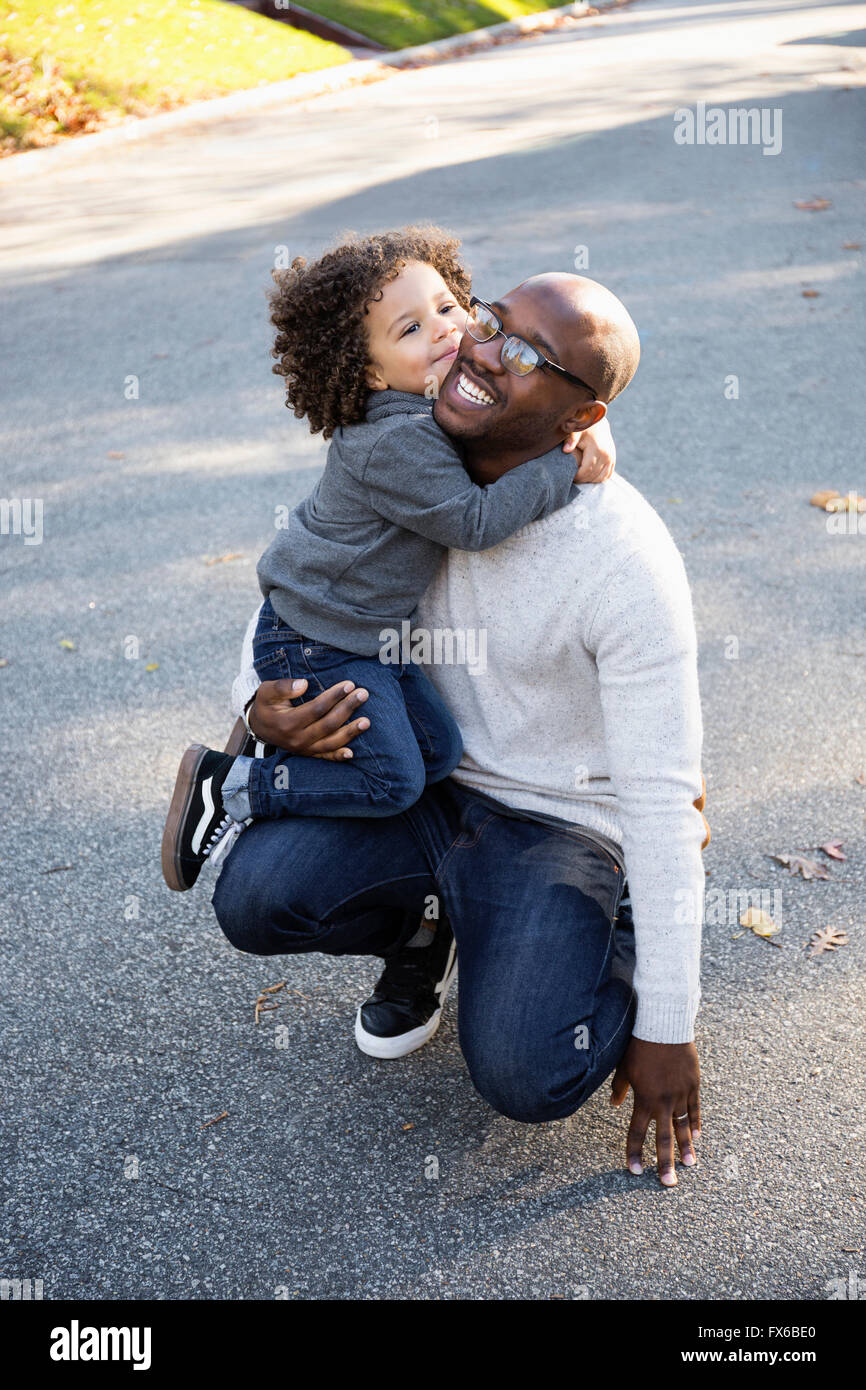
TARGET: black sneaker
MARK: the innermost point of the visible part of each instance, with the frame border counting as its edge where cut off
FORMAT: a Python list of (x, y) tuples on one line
[(405, 1008), (197, 820)]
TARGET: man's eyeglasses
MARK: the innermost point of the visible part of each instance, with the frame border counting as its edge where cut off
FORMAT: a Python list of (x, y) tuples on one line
[(517, 356)]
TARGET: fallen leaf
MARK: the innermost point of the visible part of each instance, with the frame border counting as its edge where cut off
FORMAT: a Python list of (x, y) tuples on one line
[(272, 989), (811, 294), (223, 559), (215, 1120), (797, 864), (59, 869), (675, 499), (820, 499), (833, 849), (760, 922), (861, 779), (409, 1126), (851, 502), (814, 205), (115, 454), (827, 939), (67, 645), (851, 246), (154, 666), (4, 661)]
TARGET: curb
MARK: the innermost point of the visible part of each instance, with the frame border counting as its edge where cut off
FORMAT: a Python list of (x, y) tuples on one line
[(300, 88)]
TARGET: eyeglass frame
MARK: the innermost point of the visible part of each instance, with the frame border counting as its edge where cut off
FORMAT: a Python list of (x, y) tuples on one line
[(542, 361)]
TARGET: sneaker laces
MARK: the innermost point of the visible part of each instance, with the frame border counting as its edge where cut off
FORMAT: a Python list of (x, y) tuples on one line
[(223, 838)]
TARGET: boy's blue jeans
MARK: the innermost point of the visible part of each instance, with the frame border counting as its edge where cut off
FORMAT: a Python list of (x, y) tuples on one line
[(546, 1005), (412, 739)]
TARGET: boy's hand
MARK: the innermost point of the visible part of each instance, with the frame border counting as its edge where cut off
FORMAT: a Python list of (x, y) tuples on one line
[(315, 729), (597, 453)]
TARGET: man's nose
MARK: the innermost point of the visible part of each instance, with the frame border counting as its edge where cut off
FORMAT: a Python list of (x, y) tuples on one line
[(487, 355)]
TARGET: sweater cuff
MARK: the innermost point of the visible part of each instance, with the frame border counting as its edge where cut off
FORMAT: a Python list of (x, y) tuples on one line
[(664, 1020), (244, 688)]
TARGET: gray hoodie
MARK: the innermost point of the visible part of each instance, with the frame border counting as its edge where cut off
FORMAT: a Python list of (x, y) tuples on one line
[(359, 551)]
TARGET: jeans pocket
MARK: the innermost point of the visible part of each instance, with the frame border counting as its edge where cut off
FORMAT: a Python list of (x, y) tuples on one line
[(271, 661)]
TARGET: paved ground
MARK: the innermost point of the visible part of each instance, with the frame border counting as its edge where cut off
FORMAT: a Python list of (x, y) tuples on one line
[(128, 1019)]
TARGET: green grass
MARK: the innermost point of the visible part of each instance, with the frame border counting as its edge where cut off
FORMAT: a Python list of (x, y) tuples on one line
[(75, 66), (402, 23)]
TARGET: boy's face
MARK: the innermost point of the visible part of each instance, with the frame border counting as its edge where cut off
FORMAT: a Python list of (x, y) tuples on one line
[(413, 332)]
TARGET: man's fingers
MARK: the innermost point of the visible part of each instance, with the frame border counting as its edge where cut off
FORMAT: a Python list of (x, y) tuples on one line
[(619, 1086), (635, 1141), (335, 744), (683, 1132), (695, 1115), (330, 710), (665, 1147)]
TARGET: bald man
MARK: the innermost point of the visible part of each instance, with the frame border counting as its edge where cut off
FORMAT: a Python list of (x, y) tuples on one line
[(582, 744)]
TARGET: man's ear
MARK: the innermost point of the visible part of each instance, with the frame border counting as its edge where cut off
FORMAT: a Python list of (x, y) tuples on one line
[(374, 378), (583, 418)]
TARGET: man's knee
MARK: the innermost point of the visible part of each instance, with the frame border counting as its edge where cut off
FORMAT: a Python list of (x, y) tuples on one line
[(258, 911)]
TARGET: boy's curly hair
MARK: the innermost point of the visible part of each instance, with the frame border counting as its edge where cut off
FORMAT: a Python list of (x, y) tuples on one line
[(319, 313)]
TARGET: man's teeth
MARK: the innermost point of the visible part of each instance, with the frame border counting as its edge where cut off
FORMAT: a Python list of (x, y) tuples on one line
[(471, 392)]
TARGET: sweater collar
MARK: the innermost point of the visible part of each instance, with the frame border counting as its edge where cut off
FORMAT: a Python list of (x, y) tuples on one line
[(381, 404)]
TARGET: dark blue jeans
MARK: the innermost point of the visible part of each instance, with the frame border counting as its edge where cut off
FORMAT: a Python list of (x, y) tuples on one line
[(412, 741), (546, 1005)]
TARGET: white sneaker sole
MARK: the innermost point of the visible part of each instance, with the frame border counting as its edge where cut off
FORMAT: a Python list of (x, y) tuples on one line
[(389, 1048)]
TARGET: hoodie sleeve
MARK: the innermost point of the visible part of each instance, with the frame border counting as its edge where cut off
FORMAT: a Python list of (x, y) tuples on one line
[(416, 479)]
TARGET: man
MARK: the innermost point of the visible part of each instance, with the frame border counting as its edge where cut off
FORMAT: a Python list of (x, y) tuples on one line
[(582, 735)]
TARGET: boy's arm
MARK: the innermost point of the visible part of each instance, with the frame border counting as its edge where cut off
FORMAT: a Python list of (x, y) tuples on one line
[(594, 451), (417, 480)]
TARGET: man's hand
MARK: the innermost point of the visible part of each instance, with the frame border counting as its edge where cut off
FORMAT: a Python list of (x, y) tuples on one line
[(596, 450), (666, 1080), (317, 729)]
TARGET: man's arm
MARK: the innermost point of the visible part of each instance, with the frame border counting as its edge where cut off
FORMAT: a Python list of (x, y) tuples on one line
[(643, 637)]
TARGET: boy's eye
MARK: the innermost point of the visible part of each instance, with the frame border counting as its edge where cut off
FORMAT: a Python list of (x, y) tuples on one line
[(410, 328), (446, 308)]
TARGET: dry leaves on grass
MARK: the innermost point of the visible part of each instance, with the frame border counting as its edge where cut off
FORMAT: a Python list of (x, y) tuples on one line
[(827, 939)]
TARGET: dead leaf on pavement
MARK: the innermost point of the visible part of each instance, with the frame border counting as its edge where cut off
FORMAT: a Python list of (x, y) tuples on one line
[(851, 246), (851, 502), (827, 939), (223, 559), (811, 294), (798, 864), (4, 661), (761, 923), (67, 645), (153, 666), (861, 778), (215, 1119), (833, 849), (115, 454), (814, 205), (820, 499)]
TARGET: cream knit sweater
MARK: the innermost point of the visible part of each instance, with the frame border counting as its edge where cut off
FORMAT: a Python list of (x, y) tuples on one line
[(585, 706)]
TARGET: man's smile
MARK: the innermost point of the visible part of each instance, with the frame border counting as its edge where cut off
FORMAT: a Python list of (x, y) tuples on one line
[(467, 388)]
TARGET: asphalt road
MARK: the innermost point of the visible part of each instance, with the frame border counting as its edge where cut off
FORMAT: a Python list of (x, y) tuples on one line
[(128, 1019)]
